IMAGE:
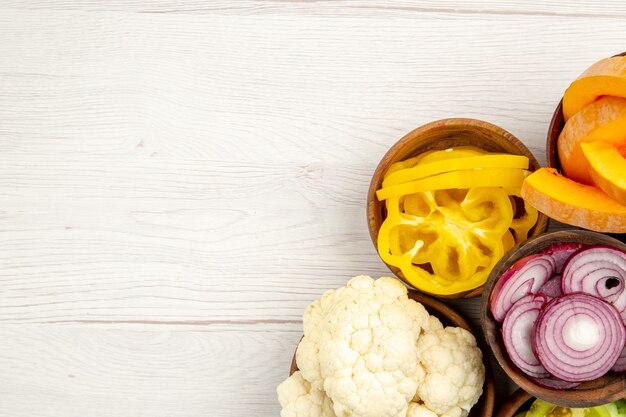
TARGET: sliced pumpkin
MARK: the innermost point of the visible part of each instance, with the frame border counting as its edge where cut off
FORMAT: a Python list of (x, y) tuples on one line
[(607, 168), (605, 77), (573, 203), (604, 120)]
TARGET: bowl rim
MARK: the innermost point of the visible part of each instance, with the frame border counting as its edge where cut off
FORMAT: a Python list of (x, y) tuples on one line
[(588, 394), (439, 309), (374, 208)]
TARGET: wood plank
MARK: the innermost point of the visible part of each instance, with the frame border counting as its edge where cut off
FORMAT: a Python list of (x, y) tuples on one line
[(183, 86), (378, 82), (136, 370), (612, 8), (99, 238)]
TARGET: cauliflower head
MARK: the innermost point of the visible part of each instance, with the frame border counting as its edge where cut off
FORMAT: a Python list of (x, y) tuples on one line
[(365, 338), (454, 371), (299, 399), (370, 351)]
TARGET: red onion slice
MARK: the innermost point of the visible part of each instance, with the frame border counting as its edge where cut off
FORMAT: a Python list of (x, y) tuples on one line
[(552, 382), (552, 287), (599, 271), (524, 277), (517, 331), (561, 253), (578, 337), (620, 364)]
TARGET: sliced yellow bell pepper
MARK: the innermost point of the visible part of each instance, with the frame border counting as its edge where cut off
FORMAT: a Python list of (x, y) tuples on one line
[(445, 241), (488, 177), (423, 170), (508, 241), (522, 225), (433, 156), (450, 153)]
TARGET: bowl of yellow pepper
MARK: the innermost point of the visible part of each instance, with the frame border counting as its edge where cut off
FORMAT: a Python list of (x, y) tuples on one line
[(444, 205)]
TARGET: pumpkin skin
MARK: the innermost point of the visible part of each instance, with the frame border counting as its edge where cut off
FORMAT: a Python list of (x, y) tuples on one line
[(603, 120), (607, 168), (570, 202), (605, 77)]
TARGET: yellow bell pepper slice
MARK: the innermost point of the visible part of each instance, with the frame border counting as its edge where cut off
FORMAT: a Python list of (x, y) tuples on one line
[(487, 177), (423, 170), (522, 225), (433, 156), (445, 241), (450, 153), (508, 241), (400, 165)]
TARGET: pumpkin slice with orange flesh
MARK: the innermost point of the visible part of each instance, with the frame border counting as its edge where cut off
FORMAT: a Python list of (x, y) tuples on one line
[(606, 77), (573, 203), (604, 120), (607, 168)]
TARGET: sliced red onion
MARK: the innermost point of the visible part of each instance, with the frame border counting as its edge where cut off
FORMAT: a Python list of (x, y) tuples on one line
[(517, 331), (599, 271), (620, 364), (552, 382), (524, 277), (552, 287), (578, 337), (562, 252)]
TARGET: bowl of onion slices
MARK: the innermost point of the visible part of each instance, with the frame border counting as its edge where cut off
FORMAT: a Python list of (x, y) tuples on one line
[(554, 315)]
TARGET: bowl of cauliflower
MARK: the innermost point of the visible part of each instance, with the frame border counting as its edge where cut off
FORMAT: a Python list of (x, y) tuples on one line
[(374, 349)]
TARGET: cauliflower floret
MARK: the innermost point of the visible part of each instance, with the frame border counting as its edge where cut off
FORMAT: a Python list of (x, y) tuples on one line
[(314, 319), (307, 353), (433, 324), (454, 371), (367, 348), (420, 410), (299, 399)]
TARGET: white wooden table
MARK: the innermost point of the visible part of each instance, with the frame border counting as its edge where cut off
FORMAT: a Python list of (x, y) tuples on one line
[(178, 180)]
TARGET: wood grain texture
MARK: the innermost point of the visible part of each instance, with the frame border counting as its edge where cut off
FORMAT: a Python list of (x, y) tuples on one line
[(613, 9), (134, 370), (168, 168)]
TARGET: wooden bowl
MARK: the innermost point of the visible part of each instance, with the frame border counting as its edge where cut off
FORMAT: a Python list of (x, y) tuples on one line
[(602, 390), (554, 130), (518, 401), (444, 134), (449, 317)]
